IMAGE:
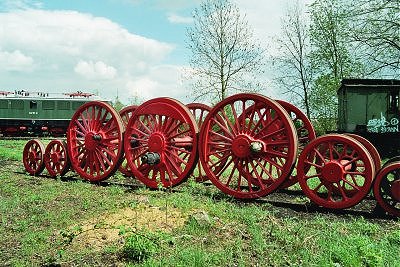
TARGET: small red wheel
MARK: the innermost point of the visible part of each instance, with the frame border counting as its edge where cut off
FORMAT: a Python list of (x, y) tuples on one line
[(305, 134), (335, 171), (125, 114), (387, 188), (248, 145), (199, 112), (94, 141), (161, 142), (33, 157), (56, 158)]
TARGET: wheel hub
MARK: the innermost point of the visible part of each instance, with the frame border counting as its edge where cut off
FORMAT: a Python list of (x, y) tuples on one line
[(156, 142), (333, 172), (241, 146), (92, 140), (55, 157), (32, 155), (395, 190)]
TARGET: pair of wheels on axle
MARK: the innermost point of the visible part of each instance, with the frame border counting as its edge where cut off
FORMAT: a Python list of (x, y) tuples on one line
[(54, 157), (249, 146)]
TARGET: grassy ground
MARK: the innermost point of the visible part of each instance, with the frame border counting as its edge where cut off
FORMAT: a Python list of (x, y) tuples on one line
[(68, 222)]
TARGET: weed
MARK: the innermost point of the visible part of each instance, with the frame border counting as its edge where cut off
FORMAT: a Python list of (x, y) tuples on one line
[(139, 246)]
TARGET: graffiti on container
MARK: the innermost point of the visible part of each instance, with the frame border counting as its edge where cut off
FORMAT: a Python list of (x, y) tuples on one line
[(382, 125)]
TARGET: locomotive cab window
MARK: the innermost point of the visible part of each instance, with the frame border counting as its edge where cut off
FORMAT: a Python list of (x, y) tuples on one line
[(48, 105), (17, 104), (63, 105), (33, 104), (393, 105)]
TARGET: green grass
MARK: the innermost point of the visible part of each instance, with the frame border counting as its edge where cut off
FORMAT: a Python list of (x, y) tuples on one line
[(41, 218)]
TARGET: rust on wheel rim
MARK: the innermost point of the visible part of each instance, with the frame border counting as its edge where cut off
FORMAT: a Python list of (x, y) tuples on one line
[(94, 141), (32, 157), (387, 188), (126, 114), (335, 171), (161, 143), (248, 145), (56, 158)]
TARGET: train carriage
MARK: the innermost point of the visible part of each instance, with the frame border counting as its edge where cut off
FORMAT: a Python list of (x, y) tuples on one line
[(25, 113), (370, 108)]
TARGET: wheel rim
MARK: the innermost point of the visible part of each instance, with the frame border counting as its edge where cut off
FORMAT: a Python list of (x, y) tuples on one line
[(305, 134), (161, 143), (125, 114), (94, 138), (199, 111), (56, 158), (248, 145), (391, 160), (33, 157), (387, 188), (335, 171)]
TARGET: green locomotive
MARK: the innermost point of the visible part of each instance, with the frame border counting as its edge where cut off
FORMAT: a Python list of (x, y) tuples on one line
[(370, 108), (25, 113)]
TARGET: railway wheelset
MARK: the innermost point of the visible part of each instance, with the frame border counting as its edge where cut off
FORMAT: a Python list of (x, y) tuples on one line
[(247, 145)]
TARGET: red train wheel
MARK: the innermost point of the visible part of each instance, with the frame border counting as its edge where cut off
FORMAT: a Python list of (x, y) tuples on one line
[(305, 134), (56, 158), (125, 114), (94, 141), (387, 188), (371, 149), (161, 142), (199, 112), (33, 157), (335, 171), (248, 145)]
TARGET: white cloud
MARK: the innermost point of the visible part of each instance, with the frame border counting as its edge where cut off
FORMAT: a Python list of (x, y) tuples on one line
[(161, 81), (66, 51), (95, 70), (174, 18), (19, 4), (15, 61)]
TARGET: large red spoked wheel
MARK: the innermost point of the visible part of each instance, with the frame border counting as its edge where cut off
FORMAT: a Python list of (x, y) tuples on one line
[(33, 157), (199, 112), (126, 114), (305, 134), (94, 141), (56, 159), (161, 143), (248, 145), (335, 171), (387, 188)]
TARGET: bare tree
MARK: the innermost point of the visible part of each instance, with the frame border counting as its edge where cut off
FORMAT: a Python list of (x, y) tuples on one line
[(293, 63), (224, 56), (375, 26)]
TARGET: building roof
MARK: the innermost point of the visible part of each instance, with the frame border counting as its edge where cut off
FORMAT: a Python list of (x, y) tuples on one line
[(383, 84)]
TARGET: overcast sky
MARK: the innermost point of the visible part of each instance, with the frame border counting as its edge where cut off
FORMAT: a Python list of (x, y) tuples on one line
[(129, 47)]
